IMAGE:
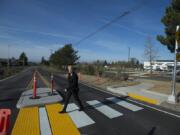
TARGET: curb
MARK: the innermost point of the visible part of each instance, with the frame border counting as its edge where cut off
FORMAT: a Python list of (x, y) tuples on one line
[(144, 99), (131, 95), (137, 97)]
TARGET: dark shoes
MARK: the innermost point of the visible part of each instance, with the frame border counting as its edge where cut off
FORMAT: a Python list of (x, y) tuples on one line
[(81, 109), (63, 111)]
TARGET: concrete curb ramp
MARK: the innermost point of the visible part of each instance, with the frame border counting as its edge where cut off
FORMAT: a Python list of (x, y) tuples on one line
[(143, 98), (140, 92)]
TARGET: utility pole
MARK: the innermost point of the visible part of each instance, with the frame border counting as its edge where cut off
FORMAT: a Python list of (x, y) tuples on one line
[(23, 62), (172, 98), (8, 62), (129, 53), (51, 51)]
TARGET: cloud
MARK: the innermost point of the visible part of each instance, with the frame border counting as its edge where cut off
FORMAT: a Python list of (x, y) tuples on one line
[(39, 32)]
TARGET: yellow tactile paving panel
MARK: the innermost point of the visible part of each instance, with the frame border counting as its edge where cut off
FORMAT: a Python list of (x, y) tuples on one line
[(142, 98), (27, 122), (61, 124)]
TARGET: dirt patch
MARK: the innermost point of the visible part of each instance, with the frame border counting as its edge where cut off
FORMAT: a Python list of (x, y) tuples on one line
[(162, 86), (103, 82)]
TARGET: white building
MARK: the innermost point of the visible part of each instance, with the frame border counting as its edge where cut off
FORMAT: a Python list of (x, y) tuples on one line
[(164, 65)]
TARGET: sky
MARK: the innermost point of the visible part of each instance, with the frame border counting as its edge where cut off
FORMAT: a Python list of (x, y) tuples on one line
[(39, 26)]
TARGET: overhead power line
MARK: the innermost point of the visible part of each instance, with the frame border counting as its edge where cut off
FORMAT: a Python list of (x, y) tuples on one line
[(109, 23)]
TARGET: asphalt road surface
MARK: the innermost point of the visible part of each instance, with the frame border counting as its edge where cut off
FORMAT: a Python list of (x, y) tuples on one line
[(11, 89), (146, 121), (118, 117)]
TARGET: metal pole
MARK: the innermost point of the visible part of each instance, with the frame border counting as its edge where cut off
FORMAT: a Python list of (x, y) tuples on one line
[(129, 49), (51, 52), (172, 97), (8, 63)]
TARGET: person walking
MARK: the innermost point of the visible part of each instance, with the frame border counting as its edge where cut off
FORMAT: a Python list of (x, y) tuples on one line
[(73, 89)]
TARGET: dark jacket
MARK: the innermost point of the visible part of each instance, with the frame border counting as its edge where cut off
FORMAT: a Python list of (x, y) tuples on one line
[(73, 82)]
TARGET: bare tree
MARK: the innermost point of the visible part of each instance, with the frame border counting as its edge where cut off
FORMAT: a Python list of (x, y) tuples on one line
[(150, 53)]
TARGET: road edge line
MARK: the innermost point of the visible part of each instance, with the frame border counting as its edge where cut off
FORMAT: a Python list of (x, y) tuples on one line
[(43, 79)]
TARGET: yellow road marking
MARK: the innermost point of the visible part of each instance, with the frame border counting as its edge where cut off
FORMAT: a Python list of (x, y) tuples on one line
[(29, 86), (60, 123), (27, 122), (144, 99), (43, 79)]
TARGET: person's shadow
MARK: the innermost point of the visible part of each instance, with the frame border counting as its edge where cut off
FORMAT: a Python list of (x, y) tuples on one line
[(152, 131)]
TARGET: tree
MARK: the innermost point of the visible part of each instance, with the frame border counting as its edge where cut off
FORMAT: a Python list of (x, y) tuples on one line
[(23, 59), (171, 19), (44, 61), (64, 56), (134, 63), (150, 53), (105, 63)]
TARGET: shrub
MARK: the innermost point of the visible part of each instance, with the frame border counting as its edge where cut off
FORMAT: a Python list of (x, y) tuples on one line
[(87, 69)]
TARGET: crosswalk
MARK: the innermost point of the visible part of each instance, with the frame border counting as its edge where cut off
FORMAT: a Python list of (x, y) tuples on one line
[(44, 122), (81, 119), (104, 109), (125, 104), (48, 121)]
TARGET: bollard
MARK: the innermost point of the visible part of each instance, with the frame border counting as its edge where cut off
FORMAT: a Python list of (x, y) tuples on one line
[(4, 121), (52, 83), (34, 86)]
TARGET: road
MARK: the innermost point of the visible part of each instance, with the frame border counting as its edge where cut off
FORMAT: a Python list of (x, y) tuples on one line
[(109, 118), (11, 90), (144, 122)]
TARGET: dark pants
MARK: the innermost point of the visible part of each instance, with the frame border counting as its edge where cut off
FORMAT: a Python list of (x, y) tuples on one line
[(76, 98)]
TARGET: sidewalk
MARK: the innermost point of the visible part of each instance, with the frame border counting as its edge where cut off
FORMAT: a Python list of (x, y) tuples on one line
[(140, 92)]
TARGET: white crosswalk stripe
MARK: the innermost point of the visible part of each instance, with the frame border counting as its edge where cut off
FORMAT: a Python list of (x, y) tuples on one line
[(44, 122), (80, 118), (125, 104), (104, 109)]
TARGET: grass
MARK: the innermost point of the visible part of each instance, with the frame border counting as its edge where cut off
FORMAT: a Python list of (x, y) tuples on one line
[(10, 72), (162, 86), (101, 82), (104, 82)]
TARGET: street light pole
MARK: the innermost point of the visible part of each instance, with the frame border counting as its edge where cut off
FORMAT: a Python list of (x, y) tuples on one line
[(129, 52), (8, 62), (51, 52), (172, 98)]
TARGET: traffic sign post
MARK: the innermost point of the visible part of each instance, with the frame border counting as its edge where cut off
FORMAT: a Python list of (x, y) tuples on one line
[(172, 98)]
